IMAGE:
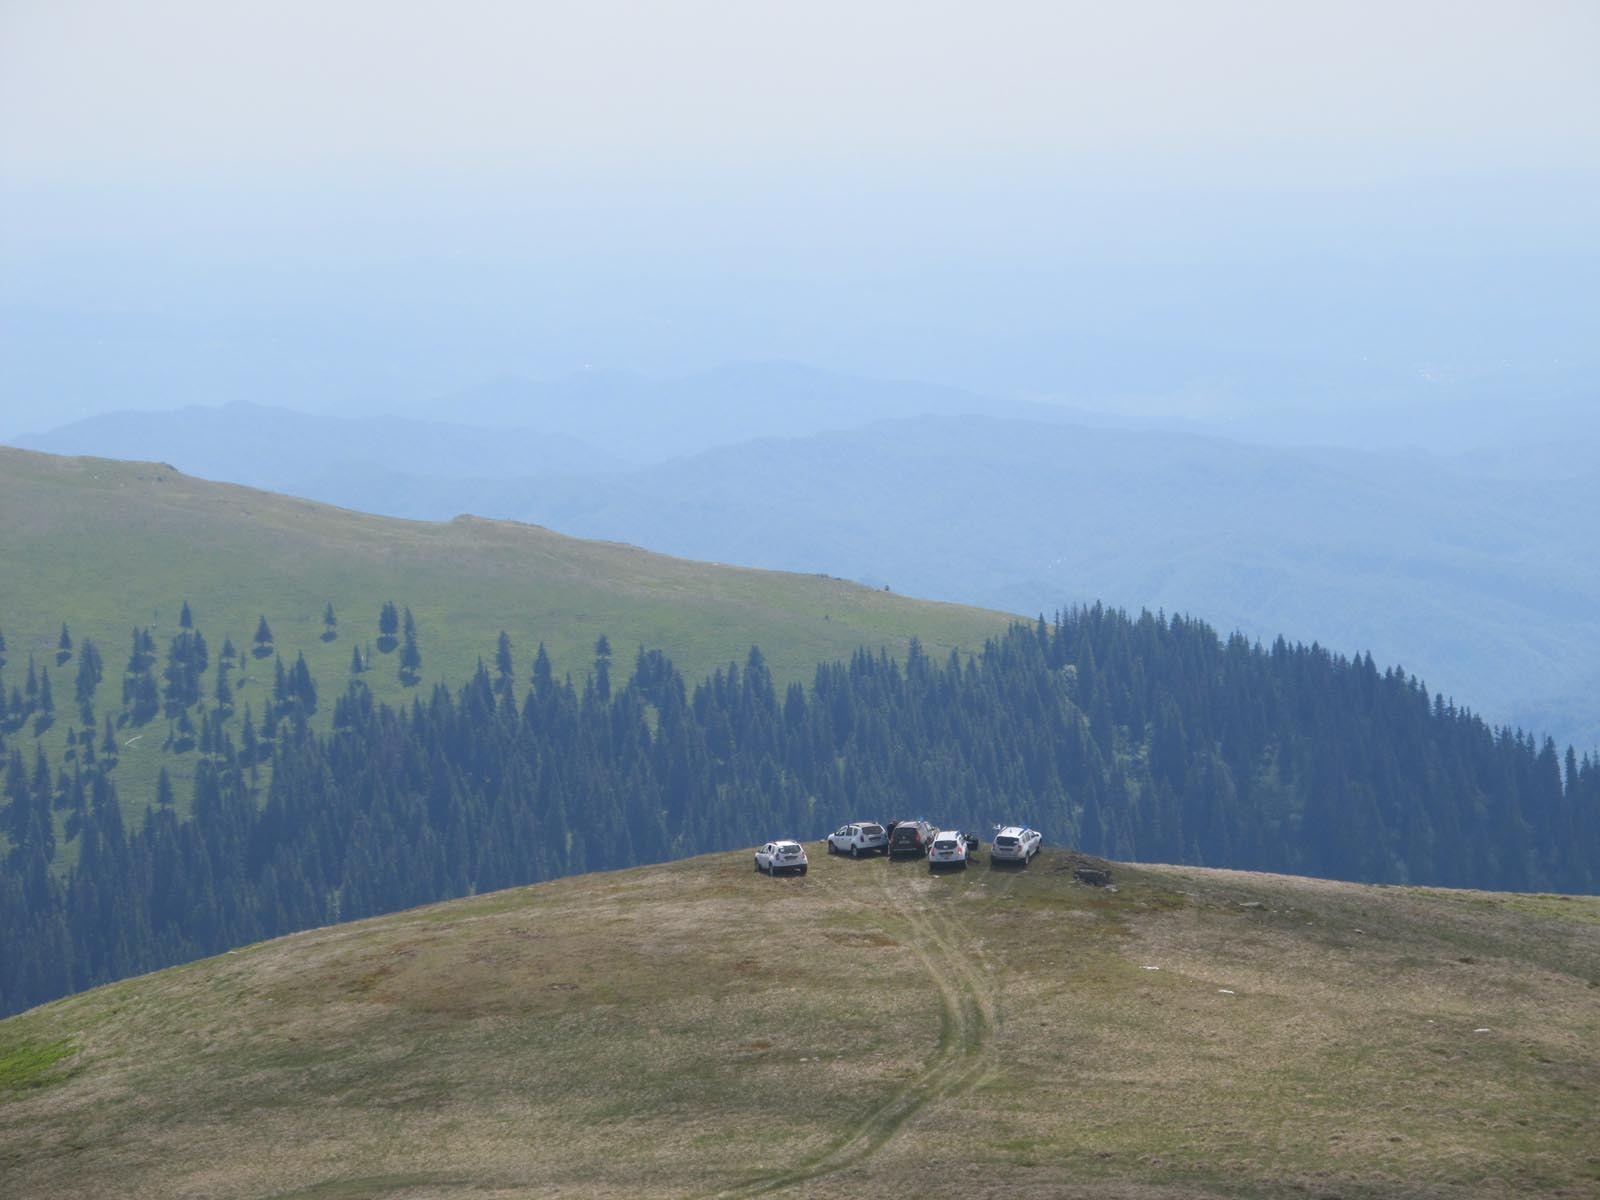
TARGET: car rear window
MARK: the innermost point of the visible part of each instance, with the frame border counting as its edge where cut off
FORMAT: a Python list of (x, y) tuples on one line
[(789, 851), (944, 844), (1007, 842), (872, 830)]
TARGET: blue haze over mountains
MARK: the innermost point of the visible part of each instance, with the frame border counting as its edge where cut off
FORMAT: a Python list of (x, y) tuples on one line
[(1444, 522)]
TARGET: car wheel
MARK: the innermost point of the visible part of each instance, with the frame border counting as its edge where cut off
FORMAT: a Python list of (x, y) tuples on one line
[(758, 866), (802, 870)]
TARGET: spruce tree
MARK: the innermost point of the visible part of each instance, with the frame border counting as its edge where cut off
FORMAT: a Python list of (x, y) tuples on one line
[(88, 679), (263, 638), (503, 665), (223, 693), (602, 667), (249, 746), (388, 627), (410, 654), (183, 737), (302, 688)]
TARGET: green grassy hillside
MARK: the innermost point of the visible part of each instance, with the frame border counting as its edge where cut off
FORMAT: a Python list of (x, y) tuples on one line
[(105, 545), (698, 1030)]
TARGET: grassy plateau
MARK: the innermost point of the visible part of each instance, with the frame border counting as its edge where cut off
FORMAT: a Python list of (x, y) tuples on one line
[(700, 1030)]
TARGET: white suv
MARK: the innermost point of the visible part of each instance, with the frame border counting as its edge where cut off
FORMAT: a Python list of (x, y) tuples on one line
[(1014, 843), (777, 857), (949, 849), (856, 839)]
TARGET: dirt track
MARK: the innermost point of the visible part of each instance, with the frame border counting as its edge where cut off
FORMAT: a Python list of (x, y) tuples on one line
[(970, 1015)]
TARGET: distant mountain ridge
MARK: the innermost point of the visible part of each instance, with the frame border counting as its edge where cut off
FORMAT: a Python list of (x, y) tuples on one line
[(648, 420), (298, 453), (1477, 571)]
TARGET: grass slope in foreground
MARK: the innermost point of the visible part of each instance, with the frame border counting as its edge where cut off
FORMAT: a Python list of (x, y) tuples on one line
[(696, 1029)]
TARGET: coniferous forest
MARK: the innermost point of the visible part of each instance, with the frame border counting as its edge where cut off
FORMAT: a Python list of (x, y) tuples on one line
[(1142, 738)]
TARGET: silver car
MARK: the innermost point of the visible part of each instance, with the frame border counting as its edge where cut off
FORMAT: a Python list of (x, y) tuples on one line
[(858, 838), (951, 848), (784, 857), (1014, 844)]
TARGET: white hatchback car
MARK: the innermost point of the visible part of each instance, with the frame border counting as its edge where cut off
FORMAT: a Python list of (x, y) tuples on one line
[(775, 858), (1014, 843), (950, 848), (858, 838)]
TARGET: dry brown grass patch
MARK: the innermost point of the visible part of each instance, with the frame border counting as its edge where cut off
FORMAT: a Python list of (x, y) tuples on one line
[(675, 1031)]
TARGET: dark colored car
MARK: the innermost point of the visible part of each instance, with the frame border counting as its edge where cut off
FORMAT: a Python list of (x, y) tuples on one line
[(909, 838)]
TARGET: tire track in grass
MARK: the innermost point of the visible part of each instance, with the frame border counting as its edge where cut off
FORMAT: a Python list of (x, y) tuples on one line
[(969, 1015)]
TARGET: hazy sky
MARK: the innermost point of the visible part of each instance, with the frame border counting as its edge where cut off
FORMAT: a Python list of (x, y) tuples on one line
[(157, 92), (331, 202)]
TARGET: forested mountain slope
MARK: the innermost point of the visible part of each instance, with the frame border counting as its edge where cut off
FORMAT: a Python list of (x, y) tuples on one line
[(1138, 738), (119, 556)]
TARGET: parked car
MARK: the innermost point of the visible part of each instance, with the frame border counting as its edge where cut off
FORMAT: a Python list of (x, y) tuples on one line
[(775, 858), (909, 838), (950, 848), (858, 838), (1014, 844)]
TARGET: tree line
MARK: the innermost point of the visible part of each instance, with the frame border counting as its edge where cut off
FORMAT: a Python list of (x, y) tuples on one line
[(1147, 738)]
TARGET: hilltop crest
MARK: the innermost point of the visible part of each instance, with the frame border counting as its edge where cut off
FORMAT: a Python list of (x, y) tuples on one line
[(698, 1029)]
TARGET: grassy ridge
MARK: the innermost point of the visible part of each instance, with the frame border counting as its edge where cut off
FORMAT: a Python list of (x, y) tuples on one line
[(106, 545), (696, 1030)]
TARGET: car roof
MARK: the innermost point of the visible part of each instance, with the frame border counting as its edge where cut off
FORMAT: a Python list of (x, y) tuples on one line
[(1013, 831)]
